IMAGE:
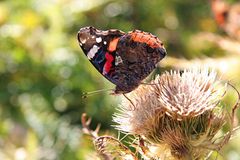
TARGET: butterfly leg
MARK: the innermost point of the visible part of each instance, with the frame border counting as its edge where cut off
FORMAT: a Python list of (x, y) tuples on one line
[(129, 101)]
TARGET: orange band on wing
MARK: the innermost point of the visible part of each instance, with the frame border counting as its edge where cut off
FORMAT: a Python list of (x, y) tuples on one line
[(146, 38), (113, 45)]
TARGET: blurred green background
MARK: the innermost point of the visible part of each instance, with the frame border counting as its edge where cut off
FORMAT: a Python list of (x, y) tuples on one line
[(43, 72)]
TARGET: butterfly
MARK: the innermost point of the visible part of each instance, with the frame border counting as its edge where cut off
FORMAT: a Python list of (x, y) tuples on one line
[(125, 59)]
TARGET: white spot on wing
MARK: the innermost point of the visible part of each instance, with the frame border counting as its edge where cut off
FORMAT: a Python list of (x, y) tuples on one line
[(98, 39), (118, 60), (105, 42), (92, 52)]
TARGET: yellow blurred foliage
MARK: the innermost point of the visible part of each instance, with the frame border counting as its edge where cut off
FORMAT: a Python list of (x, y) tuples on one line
[(207, 24), (30, 19), (4, 12), (32, 145)]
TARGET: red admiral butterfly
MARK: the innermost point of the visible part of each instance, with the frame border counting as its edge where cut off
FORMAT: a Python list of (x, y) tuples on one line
[(125, 59)]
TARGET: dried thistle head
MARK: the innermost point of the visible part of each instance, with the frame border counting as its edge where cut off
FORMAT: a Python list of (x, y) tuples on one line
[(190, 93), (181, 110)]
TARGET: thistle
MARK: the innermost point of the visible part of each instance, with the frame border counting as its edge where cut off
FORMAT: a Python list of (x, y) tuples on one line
[(176, 116), (181, 111)]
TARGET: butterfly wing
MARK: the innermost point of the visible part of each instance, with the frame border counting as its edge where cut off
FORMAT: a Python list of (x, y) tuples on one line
[(100, 46), (137, 54)]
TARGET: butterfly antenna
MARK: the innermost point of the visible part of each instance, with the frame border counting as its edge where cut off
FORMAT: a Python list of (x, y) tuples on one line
[(87, 94)]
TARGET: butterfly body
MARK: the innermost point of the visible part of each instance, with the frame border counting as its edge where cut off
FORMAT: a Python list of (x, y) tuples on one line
[(125, 59)]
